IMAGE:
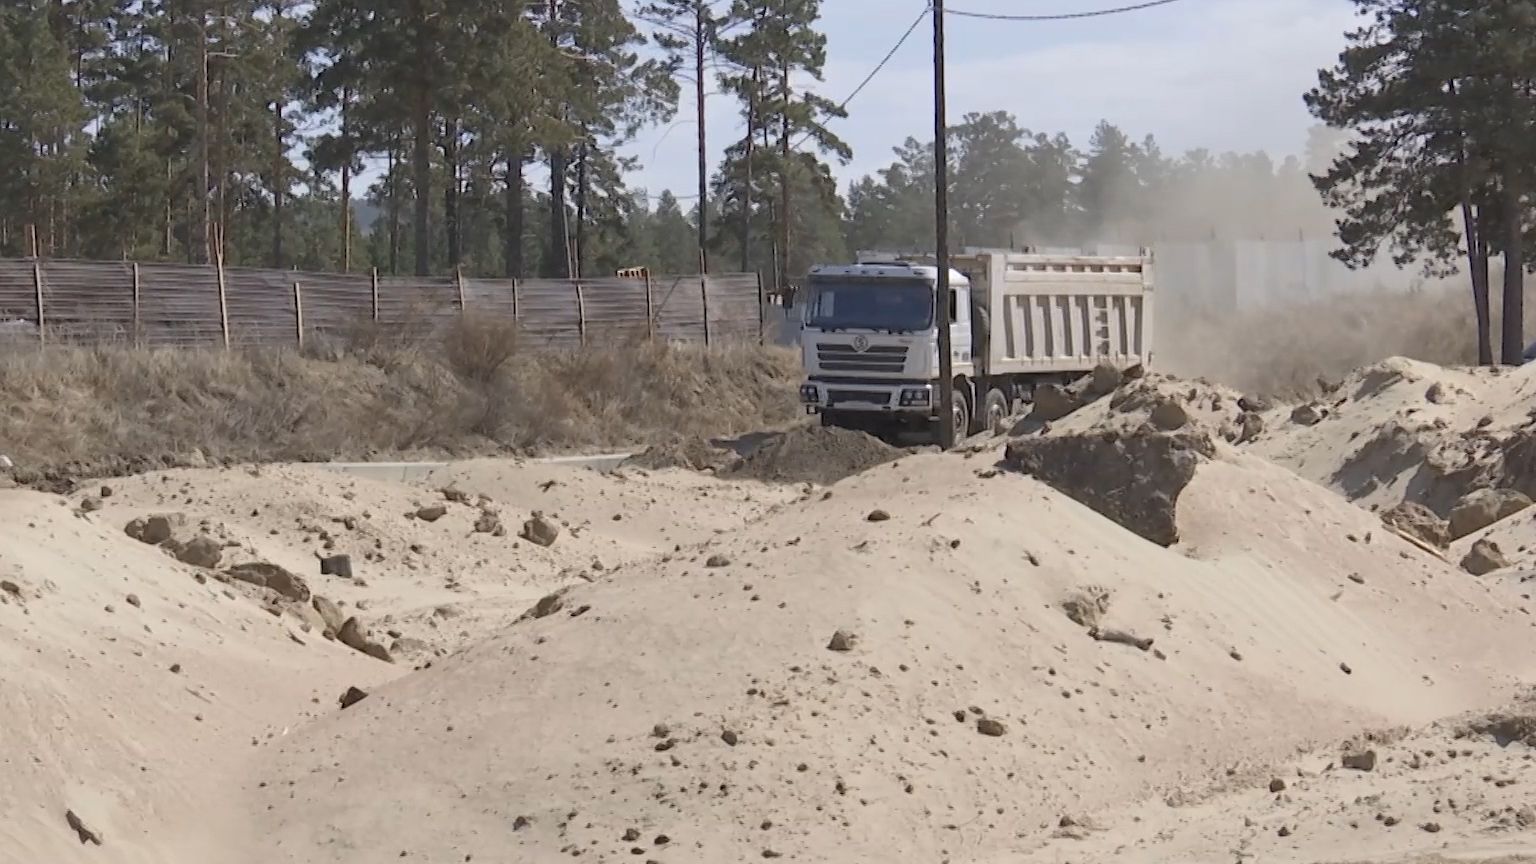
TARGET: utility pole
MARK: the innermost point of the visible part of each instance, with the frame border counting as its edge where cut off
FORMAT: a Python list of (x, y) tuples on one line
[(941, 230)]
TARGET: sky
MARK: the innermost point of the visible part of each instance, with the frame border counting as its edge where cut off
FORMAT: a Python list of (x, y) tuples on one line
[(1215, 74)]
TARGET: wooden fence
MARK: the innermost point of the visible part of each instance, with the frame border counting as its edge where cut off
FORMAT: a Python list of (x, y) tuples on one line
[(179, 305)]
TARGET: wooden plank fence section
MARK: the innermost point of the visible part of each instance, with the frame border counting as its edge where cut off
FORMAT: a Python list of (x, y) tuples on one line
[(180, 305)]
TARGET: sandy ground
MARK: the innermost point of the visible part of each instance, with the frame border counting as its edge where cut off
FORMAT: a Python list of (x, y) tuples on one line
[(703, 669)]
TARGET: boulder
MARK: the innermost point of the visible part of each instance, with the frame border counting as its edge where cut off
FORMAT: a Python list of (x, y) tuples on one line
[(201, 551), (1133, 479), (1485, 558), (1310, 414), (540, 531), (156, 529), (272, 577), (1250, 425), (330, 614), (1107, 378), (1169, 416), (1477, 510), (1256, 404), (355, 636), (1053, 402), (1418, 522)]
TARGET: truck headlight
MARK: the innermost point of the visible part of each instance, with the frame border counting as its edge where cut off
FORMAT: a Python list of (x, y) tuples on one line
[(915, 397), (808, 394)]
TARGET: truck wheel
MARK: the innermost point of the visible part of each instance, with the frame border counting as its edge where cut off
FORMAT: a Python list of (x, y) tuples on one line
[(995, 410), (962, 415)]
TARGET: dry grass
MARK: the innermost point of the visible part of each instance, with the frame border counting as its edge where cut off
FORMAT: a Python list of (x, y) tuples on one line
[(81, 412), (1284, 350)]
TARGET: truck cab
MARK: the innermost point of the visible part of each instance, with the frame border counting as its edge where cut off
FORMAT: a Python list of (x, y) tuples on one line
[(870, 345)]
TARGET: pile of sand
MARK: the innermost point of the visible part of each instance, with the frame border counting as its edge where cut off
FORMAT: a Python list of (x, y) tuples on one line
[(814, 454), (827, 686), (940, 660), (693, 454)]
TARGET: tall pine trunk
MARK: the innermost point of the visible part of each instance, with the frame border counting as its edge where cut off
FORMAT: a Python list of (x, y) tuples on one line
[(394, 205), (1477, 260), (277, 184), (784, 211), (559, 264), (700, 33), (422, 151), (746, 187), (1513, 336), (578, 247), (512, 252), (346, 184), (451, 193)]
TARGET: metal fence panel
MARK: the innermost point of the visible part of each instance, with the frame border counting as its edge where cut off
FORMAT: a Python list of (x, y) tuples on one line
[(181, 305)]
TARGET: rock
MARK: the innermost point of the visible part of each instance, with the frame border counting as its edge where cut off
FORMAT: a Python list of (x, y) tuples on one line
[(1122, 637), (106, 492), (352, 697), (878, 516), (1085, 607), (717, 561), (431, 512), (1250, 425), (1310, 414), (548, 605), (330, 614), (540, 531), (1365, 761), (273, 577), (10, 587), (78, 825), (1477, 510), (455, 494), (1430, 827), (842, 640), (336, 565), (1418, 522), (133, 600), (1485, 558), (1254, 404), (489, 523), (729, 737), (1438, 393), (1107, 378), (90, 505), (1134, 479), (991, 728), (355, 637), (1053, 402), (1168, 415), (154, 530), (201, 551), (1277, 785)]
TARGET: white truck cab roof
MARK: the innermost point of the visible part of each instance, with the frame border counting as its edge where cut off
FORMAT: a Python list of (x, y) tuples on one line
[(894, 270)]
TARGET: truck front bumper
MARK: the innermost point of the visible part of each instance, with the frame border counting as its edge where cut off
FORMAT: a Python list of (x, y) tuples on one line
[(903, 398)]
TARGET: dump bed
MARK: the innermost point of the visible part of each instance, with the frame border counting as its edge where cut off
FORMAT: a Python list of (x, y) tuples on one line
[(1062, 313)]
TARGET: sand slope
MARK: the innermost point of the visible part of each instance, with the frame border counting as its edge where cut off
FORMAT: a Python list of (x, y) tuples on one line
[(608, 718)]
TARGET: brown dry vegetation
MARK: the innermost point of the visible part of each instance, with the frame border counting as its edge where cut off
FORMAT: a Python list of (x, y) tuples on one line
[(81, 412), (1283, 350)]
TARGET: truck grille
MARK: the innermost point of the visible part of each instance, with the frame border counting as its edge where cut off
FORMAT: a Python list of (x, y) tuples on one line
[(843, 397), (841, 357)]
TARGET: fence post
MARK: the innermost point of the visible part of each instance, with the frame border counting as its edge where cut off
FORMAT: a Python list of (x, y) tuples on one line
[(138, 326), (516, 283), (458, 282), (704, 297), (374, 285), (650, 314), (223, 297), (298, 312), (762, 313), (37, 288), (581, 312)]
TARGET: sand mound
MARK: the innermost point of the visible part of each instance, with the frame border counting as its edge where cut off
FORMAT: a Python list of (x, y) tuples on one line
[(814, 454), (824, 687), (694, 454)]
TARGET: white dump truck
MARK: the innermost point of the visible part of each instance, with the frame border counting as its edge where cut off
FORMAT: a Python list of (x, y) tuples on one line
[(1018, 320)]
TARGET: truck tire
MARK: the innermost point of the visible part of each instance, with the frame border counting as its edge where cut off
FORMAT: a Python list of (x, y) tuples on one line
[(994, 411), (961, 418)]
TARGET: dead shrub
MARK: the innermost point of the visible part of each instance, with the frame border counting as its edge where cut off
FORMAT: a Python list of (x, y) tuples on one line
[(478, 348)]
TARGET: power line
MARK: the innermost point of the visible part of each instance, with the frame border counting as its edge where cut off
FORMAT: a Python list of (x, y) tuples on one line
[(1064, 16)]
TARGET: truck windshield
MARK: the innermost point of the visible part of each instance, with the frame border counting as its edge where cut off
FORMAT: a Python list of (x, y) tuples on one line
[(887, 304)]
